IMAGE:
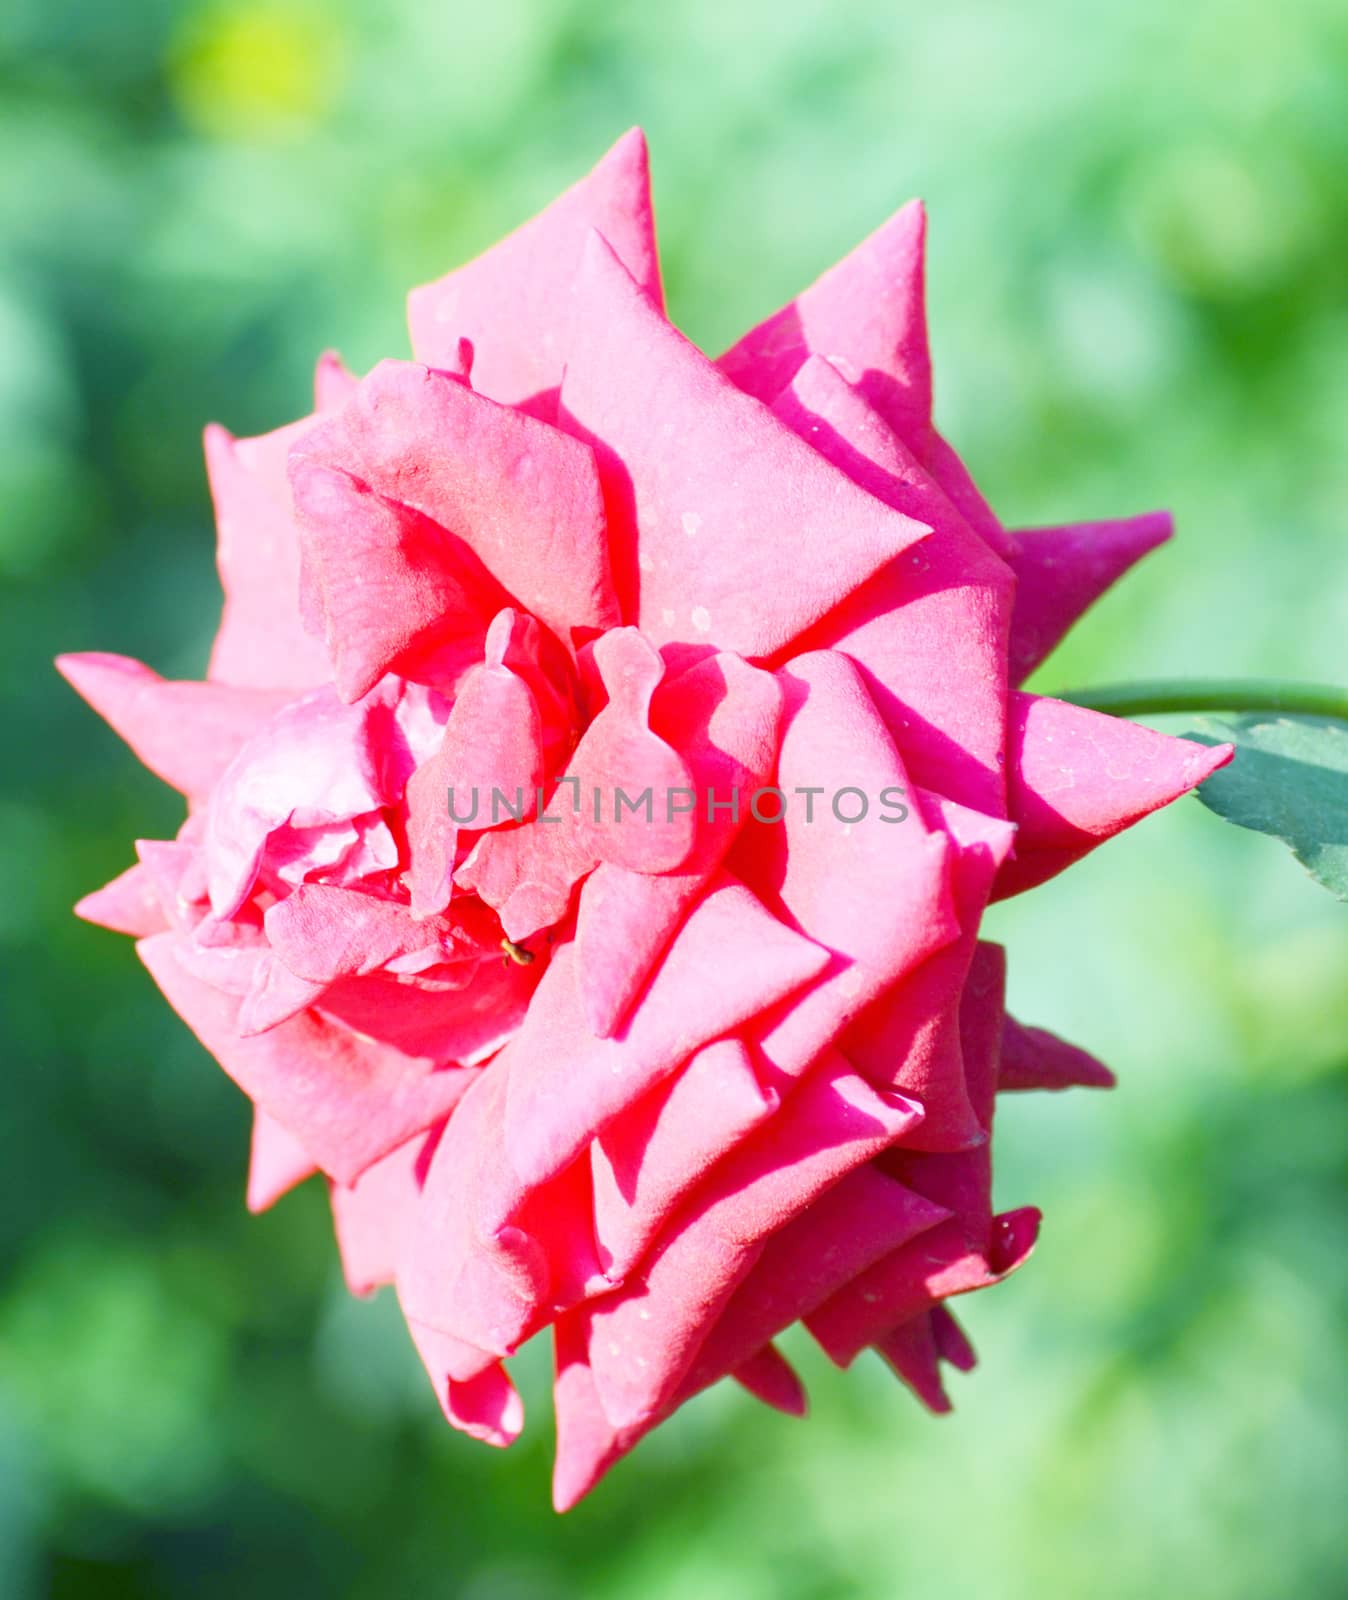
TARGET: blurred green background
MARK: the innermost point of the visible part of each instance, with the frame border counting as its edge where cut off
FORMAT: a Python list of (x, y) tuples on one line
[(1139, 295)]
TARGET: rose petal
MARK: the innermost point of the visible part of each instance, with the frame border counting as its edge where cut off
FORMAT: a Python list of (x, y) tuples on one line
[(1078, 777), (348, 1100), (945, 708), (372, 1217), (514, 302), (523, 497), (706, 491), (277, 1162), (128, 904), (644, 1337), (261, 641), (1062, 572), (566, 1085), (389, 589), (1034, 1058), (485, 1407), (867, 314), (186, 733)]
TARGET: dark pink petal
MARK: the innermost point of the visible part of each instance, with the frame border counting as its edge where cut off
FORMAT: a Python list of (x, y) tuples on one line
[(347, 1099), (486, 1406), (466, 1023), (261, 642), (860, 870), (521, 496), (954, 481), (128, 904), (645, 1336), (1034, 1058), (861, 1220), (186, 733), (910, 1037), (710, 498), (388, 588), (911, 1350), (1062, 572), (730, 960), (951, 1344), (648, 1159), (1078, 777), (867, 314), (945, 708), (514, 302), (771, 1378), (277, 1162), (937, 1264)]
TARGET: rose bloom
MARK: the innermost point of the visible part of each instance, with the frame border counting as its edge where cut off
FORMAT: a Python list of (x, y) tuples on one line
[(665, 1085)]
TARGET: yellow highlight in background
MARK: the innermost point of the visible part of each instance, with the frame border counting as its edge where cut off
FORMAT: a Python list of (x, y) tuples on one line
[(257, 71)]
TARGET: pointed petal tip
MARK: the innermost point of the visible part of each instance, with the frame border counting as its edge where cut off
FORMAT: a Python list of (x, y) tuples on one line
[(630, 147), (90, 671), (217, 444)]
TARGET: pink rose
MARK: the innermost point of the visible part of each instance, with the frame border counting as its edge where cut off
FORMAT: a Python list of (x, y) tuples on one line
[(571, 1047)]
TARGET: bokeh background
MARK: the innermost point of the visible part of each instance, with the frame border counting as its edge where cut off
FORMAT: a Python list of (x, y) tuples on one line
[(1139, 296)]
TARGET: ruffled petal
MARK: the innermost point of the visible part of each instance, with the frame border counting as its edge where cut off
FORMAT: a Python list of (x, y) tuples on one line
[(521, 496), (492, 746), (724, 718), (613, 804), (317, 761), (389, 589)]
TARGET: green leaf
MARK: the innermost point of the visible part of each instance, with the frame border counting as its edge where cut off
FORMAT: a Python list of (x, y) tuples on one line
[(1289, 778)]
